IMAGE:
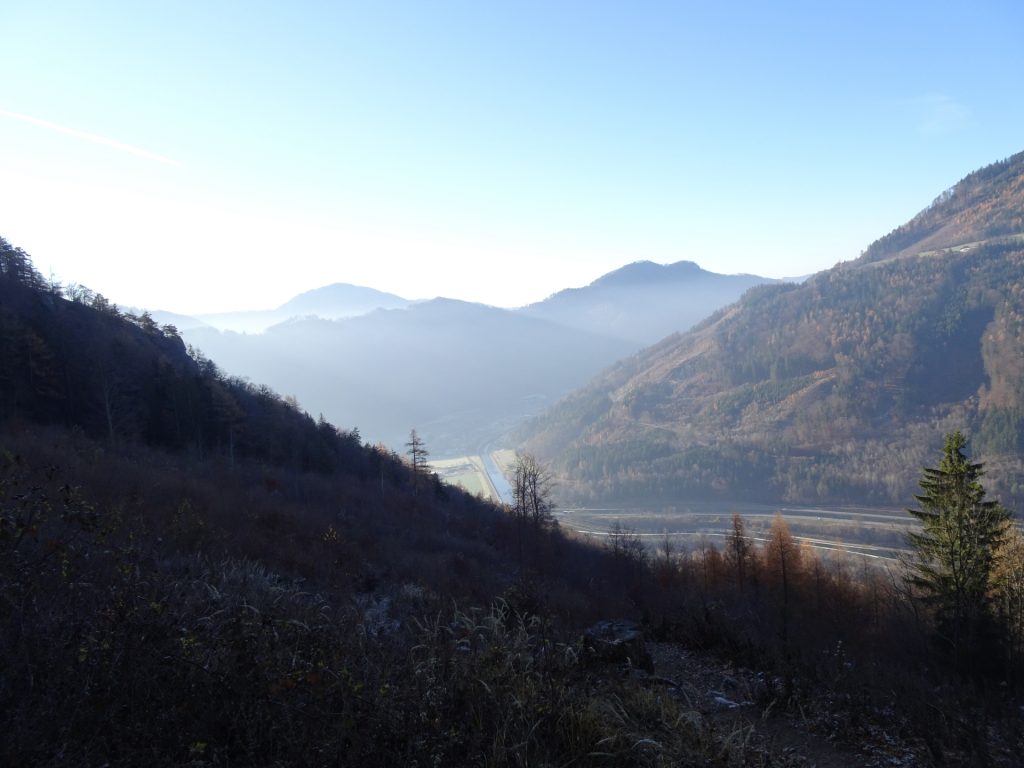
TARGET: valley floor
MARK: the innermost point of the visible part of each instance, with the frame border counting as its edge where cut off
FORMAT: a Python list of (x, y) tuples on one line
[(875, 534)]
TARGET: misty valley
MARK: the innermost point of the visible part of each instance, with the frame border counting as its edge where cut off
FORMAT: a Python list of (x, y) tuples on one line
[(672, 517)]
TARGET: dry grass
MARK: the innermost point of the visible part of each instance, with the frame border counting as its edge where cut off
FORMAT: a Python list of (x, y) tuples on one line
[(123, 644)]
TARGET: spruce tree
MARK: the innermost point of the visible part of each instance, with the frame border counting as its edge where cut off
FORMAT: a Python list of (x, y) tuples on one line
[(954, 551)]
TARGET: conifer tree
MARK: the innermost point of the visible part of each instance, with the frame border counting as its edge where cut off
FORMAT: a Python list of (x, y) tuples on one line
[(955, 550)]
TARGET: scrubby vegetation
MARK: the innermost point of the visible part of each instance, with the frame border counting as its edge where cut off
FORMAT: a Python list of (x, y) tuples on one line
[(118, 649), (194, 572)]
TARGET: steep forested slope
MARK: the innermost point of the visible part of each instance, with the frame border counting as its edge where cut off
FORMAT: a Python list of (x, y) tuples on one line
[(833, 390), (986, 204), (124, 379), (193, 571)]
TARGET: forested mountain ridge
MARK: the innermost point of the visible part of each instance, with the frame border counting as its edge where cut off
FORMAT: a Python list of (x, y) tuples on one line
[(835, 390), (986, 204), (80, 362)]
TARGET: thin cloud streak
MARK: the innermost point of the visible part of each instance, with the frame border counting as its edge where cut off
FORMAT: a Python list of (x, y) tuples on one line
[(941, 115), (102, 140)]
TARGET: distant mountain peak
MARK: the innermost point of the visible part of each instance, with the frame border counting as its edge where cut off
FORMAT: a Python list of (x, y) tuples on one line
[(644, 301), (640, 272), (329, 302), (341, 295)]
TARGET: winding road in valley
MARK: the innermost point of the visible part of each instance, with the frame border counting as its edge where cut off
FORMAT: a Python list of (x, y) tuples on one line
[(873, 533)]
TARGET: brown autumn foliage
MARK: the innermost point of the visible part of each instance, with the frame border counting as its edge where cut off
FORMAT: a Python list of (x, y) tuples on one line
[(825, 391), (194, 572)]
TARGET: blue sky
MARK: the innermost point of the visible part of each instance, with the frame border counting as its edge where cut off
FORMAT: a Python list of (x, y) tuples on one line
[(215, 156)]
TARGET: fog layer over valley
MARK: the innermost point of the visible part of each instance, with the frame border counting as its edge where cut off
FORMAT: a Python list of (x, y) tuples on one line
[(459, 373), (462, 374), (195, 570)]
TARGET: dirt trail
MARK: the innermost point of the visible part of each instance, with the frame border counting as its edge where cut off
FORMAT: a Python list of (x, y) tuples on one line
[(726, 696)]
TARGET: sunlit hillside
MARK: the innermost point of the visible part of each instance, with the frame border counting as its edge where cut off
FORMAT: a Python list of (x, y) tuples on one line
[(832, 391)]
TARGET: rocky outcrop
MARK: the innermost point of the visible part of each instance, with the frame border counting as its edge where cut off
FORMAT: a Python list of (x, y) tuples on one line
[(616, 642)]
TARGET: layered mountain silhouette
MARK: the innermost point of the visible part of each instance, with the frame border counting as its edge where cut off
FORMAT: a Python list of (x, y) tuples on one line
[(834, 390), (331, 302), (461, 373)]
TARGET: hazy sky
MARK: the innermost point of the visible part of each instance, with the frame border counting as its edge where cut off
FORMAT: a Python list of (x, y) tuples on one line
[(204, 156)]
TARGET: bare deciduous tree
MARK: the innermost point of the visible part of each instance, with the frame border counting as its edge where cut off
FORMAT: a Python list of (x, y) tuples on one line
[(532, 503), (417, 453)]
